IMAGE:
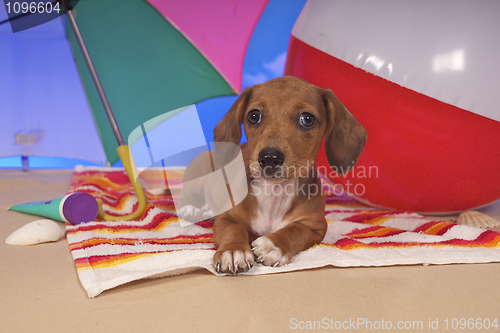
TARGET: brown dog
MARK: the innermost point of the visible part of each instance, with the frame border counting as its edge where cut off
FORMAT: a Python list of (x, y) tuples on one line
[(285, 121)]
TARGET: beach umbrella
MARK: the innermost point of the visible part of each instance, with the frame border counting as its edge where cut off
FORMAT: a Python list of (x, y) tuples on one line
[(154, 57), (150, 60)]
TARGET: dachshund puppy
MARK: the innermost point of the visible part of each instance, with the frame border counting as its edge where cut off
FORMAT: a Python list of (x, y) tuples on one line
[(285, 121)]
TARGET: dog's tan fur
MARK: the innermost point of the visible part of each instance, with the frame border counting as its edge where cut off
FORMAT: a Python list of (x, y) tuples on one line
[(281, 225)]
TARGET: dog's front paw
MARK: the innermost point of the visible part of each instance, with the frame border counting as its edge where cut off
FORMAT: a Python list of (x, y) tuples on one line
[(233, 261), (267, 253)]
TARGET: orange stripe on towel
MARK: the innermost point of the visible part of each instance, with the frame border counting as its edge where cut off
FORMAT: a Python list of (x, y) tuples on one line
[(110, 261), (374, 232), (156, 225), (201, 239)]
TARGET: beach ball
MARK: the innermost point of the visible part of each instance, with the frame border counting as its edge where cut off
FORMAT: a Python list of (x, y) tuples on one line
[(422, 77)]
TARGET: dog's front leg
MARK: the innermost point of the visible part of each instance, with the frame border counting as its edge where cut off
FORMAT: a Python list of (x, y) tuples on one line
[(233, 248), (278, 248)]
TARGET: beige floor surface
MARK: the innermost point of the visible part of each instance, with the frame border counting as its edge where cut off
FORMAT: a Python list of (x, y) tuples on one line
[(40, 291)]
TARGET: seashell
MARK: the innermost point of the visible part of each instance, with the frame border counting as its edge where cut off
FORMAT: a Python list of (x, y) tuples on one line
[(477, 219), (39, 231)]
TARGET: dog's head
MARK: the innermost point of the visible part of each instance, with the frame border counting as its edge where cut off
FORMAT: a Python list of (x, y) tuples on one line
[(285, 121)]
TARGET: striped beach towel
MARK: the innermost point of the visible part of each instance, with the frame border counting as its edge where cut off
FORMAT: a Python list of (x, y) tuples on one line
[(108, 254)]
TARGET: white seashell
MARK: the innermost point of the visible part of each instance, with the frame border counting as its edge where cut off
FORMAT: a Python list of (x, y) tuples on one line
[(39, 231), (477, 219)]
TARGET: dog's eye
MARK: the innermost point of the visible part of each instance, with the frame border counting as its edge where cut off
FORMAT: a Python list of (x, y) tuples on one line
[(254, 117), (307, 119)]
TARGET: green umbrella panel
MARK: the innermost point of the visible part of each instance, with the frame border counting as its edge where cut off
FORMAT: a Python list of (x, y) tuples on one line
[(145, 65)]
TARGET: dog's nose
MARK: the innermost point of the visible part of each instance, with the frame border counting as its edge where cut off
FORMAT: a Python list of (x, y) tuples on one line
[(271, 157)]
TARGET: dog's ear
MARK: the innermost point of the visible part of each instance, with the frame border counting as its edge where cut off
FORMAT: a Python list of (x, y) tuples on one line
[(345, 137), (229, 128)]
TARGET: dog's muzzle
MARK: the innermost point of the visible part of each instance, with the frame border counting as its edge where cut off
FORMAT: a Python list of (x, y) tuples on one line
[(271, 160)]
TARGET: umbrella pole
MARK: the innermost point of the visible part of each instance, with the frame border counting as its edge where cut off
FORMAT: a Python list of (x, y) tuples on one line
[(123, 150)]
